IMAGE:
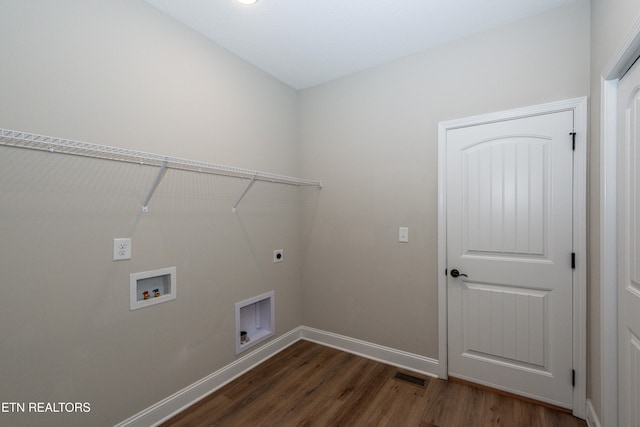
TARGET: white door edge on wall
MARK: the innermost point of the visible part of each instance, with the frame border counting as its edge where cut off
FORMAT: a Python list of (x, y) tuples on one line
[(620, 62), (579, 107)]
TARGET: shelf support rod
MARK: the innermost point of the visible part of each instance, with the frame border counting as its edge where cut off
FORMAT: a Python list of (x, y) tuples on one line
[(161, 172), (253, 180)]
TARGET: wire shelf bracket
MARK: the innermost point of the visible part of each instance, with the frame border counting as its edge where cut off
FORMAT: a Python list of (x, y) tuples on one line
[(253, 180), (161, 172), (20, 139)]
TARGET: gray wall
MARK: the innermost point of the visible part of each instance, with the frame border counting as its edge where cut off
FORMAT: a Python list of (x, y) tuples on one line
[(372, 137), (610, 22), (118, 72)]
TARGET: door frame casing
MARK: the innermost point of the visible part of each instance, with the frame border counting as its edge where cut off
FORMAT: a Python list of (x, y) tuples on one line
[(579, 107), (620, 62)]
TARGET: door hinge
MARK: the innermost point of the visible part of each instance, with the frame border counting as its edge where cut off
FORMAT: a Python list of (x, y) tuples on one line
[(573, 377), (573, 136), (573, 260)]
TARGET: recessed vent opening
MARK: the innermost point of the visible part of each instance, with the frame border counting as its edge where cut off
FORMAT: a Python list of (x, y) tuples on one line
[(420, 382)]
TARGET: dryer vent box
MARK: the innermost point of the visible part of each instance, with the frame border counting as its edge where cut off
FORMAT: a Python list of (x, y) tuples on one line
[(255, 321)]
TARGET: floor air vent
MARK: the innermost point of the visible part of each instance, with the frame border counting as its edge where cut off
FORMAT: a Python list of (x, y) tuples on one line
[(420, 382)]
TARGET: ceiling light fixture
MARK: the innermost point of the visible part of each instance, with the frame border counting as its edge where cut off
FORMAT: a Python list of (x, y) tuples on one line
[(248, 2)]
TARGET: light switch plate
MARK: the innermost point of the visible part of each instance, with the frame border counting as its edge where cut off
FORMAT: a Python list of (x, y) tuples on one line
[(403, 235)]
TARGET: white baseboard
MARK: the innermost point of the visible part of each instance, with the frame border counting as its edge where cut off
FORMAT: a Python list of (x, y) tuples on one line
[(592, 417), (186, 397), (390, 356)]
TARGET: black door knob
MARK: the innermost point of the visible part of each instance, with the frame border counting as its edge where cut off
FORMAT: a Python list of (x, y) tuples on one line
[(456, 273)]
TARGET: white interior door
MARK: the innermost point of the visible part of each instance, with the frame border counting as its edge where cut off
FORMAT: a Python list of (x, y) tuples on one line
[(629, 248), (509, 234)]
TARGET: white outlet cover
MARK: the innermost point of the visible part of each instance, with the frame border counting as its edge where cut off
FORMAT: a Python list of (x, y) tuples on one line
[(278, 255), (121, 249)]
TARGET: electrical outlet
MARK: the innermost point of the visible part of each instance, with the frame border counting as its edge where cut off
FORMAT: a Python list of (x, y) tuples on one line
[(121, 249), (278, 255)]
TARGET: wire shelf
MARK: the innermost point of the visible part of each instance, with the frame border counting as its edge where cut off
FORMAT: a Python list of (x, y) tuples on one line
[(54, 144), (19, 139)]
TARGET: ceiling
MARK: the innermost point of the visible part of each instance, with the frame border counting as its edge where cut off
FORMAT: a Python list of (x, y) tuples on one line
[(307, 42)]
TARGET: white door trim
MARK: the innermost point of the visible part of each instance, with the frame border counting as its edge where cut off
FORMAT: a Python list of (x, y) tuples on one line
[(579, 106), (619, 63)]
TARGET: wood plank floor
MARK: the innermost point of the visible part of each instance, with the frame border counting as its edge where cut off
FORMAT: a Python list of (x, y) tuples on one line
[(309, 384)]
